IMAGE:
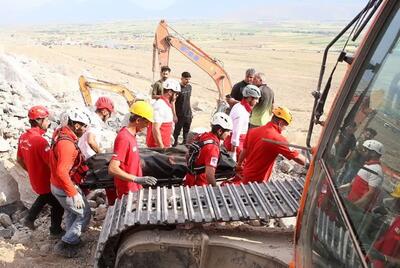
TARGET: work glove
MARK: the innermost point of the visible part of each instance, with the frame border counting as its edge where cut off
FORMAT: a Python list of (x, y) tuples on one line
[(233, 155), (78, 201), (146, 180)]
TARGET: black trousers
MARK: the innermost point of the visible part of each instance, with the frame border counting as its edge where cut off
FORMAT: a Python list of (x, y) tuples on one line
[(185, 123), (57, 211)]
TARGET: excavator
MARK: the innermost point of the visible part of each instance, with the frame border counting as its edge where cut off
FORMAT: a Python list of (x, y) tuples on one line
[(200, 226), (86, 85), (164, 40)]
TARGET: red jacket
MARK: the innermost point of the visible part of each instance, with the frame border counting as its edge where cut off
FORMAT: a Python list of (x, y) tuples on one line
[(34, 150), (64, 159), (261, 155)]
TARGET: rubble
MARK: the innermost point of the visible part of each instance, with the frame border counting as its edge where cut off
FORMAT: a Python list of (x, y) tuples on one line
[(100, 213), (5, 220)]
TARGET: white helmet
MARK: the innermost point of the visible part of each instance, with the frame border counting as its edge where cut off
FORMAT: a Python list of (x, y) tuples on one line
[(223, 120), (251, 91), (374, 145), (79, 115), (172, 84)]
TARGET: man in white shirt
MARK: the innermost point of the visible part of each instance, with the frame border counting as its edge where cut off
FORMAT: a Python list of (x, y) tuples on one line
[(240, 115), (90, 142), (160, 131), (365, 187)]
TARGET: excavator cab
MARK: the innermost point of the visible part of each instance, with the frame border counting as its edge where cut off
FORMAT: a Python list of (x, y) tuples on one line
[(350, 212)]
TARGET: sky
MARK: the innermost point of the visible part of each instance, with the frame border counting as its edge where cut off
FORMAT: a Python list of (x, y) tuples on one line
[(31, 12)]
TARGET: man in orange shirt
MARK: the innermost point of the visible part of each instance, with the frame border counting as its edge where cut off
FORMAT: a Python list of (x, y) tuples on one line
[(258, 156), (65, 161), (33, 156), (125, 163)]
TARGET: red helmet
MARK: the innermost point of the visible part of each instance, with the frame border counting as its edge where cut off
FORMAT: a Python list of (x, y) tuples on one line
[(38, 112), (105, 103)]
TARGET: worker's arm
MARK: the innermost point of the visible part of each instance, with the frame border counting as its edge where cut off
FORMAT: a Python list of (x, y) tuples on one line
[(365, 199), (241, 158), (210, 175), (91, 140), (115, 170), (21, 162), (156, 127), (173, 102), (238, 122)]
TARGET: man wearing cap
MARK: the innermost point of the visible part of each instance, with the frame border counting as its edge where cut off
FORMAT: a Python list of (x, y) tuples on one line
[(365, 187), (258, 156), (66, 162), (160, 131), (125, 163), (33, 156), (240, 115)]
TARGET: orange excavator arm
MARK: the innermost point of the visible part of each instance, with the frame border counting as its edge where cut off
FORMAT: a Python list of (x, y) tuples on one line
[(163, 41), (86, 86)]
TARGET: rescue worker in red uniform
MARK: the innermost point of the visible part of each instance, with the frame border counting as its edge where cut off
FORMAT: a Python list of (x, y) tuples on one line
[(258, 157), (365, 187), (33, 156), (386, 249), (159, 132), (240, 115), (125, 163), (208, 157), (66, 162)]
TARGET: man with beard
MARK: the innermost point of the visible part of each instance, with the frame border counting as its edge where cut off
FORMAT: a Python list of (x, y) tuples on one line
[(183, 109), (157, 87)]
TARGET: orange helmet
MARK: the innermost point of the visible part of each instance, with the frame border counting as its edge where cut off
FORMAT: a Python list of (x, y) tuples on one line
[(105, 103), (38, 112)]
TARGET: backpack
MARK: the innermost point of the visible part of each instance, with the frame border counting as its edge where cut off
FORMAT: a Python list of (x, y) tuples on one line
[(193, 153), (79, 169)]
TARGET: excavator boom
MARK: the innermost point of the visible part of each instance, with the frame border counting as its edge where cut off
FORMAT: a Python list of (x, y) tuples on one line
[(86, 86), (163, 41)]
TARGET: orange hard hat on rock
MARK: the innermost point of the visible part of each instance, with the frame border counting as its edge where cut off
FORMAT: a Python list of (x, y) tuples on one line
[(38, 112), (105, 103)]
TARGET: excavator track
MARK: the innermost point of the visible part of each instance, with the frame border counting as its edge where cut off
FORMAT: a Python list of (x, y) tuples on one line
[(164, 207)]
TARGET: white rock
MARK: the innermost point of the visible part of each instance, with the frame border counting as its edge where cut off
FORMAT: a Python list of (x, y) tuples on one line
[(4, 145), (3, 198), (5, 220), (20, 176), (8, 185)]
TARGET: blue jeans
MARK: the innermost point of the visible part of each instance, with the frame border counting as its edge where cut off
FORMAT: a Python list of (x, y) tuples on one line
[(76, 220)]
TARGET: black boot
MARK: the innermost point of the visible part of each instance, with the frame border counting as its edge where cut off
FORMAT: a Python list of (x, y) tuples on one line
[(66, 250)]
